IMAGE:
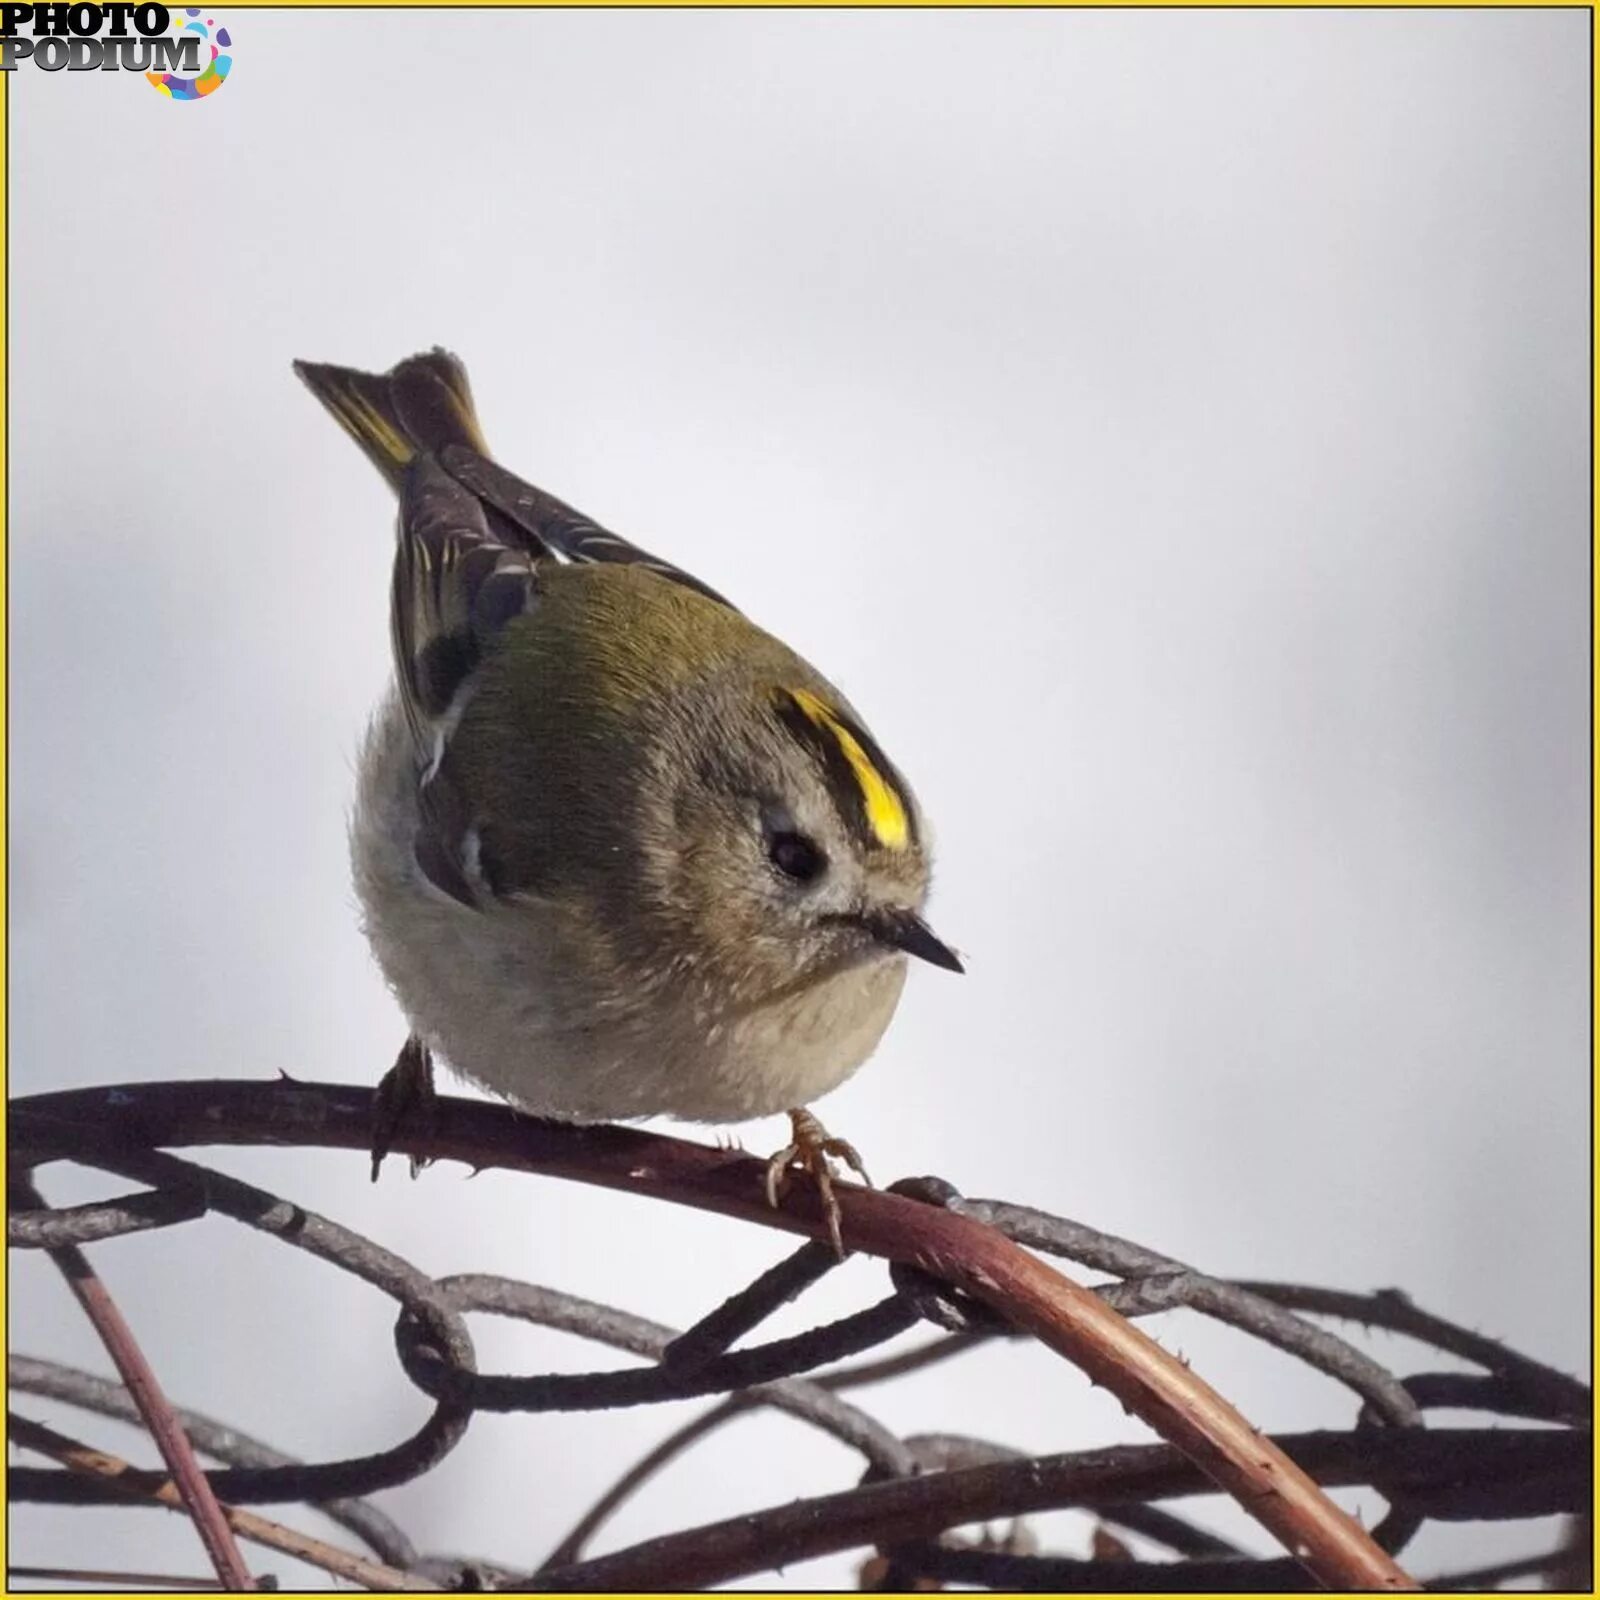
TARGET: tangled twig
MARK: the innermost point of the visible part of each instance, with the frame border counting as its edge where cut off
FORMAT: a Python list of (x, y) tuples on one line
[(190, 1487), (955, 1262), (111, 1470)]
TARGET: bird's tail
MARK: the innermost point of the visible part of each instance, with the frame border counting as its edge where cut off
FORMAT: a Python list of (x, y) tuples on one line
[(416, 408)]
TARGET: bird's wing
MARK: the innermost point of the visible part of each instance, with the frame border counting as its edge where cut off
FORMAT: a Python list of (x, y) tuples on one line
[(457, 583), (471, 539), (422, 408), (552, 523)]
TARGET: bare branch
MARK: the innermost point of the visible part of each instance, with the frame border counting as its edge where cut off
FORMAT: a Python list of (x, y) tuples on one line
[(113, 1470), (1174, 1401), (1484, 1467), (962, 1265), (138, 1376), (220, 1441)]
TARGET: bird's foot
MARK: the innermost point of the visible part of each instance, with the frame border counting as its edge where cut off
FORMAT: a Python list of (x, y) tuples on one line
[(813, 1150), (405, 1097)]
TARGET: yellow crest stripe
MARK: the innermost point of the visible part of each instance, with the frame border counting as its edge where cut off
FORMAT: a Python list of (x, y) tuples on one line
[(886, 812)]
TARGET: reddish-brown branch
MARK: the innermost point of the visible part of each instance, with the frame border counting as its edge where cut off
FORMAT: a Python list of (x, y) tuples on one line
[(138, 1376), (1179, 1405)]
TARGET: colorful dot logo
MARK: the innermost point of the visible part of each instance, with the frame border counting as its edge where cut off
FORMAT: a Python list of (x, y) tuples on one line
[(216, 70)]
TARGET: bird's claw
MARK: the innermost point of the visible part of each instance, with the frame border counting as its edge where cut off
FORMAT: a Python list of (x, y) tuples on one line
[(405, 1097), (814, 1150)]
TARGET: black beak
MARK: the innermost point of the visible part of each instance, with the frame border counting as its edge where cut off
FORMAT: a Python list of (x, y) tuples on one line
[(905, 930)]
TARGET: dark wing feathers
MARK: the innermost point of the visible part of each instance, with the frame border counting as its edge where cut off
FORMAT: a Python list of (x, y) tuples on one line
[(552, 523), (455, 586), (471, 537), (470, 533)]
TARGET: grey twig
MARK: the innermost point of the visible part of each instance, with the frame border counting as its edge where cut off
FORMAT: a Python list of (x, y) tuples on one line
[(1159, 1283), (549, 1308), (55, 1381), (99, 1464), (46, 1229), (945, 1268), (738, 1314), (591, 1391), (1522, 1472), (739, 1404), (1564, 1397), (155, 1410)]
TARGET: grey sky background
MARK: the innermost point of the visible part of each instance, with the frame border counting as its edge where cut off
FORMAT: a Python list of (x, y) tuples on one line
[(1170, 428)]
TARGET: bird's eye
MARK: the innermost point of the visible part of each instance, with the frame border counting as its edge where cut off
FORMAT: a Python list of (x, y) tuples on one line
[(795, 856)]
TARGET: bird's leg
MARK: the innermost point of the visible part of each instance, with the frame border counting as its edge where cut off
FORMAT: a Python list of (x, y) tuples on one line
[(405, 1094), (812, 1148)]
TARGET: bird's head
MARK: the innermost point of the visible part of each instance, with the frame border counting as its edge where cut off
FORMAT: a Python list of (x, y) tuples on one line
[(786, 839)]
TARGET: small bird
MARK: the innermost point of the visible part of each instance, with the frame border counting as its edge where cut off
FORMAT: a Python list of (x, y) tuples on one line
[(619, 852)]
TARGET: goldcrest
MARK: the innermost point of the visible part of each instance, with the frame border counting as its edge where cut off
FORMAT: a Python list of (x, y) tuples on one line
[(619, 852)]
